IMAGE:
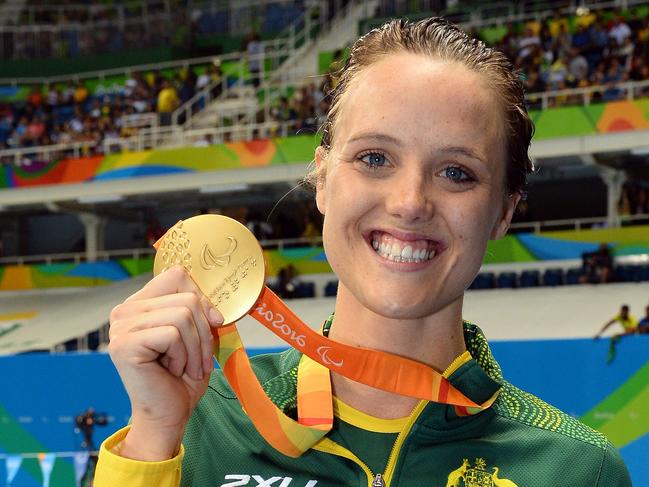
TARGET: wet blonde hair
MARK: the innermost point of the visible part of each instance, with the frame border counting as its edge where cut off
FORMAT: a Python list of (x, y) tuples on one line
[(437, 38)]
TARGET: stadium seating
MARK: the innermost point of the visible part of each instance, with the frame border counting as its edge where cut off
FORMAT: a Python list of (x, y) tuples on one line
[(551, 68)]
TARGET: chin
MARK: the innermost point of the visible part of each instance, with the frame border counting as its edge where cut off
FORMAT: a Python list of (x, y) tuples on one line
[(402, 307)]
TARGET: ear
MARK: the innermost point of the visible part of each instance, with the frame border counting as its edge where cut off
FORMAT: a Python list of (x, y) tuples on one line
[(320, 191), (502, 224)]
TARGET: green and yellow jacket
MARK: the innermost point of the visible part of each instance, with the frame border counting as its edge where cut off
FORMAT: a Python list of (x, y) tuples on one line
[(519, 441)]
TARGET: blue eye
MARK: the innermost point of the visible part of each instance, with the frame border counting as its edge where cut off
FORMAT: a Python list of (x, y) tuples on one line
[(457, 174), (374, 159)]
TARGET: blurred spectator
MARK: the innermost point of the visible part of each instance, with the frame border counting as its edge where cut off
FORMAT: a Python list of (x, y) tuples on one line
[(287, 282), (154, 231), (597, 267), (255, 51), (168, 101), (629, 323), (80, 94), (577, 67), (35, 97), (634, 199), (643, 324), (619, 31), (260, 228)]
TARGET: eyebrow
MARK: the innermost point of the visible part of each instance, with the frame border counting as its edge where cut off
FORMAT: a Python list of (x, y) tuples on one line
[(376, 136), (447, 149), (465, 151)]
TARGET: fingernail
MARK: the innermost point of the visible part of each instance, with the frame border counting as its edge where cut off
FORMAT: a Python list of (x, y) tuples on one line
[(215, 317)]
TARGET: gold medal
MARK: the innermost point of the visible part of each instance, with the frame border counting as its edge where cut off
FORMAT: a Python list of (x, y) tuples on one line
[(222, 256)]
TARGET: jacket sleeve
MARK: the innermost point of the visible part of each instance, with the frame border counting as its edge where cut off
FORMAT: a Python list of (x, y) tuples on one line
[(613, 471), (114, 470)]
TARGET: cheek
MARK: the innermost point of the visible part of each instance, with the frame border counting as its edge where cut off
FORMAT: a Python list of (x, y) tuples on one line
[(472, 225)]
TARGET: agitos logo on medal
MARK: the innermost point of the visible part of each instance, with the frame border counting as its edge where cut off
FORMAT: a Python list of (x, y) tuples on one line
[(477, 476), (209, 261)]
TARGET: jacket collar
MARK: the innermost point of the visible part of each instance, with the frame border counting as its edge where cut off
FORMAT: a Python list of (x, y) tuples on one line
[(478, 378)]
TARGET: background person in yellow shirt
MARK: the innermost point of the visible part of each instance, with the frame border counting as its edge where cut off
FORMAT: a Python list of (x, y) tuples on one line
[(624, 318), (168, 101), (628, 322)]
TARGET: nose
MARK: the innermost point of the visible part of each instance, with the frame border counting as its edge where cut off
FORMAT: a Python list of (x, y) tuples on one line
[(408, 197)]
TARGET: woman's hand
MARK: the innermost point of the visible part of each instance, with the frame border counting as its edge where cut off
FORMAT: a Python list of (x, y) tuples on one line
[(161, 344)]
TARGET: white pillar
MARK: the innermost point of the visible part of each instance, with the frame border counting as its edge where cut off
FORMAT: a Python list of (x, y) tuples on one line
[(614, 179), (94, 226)]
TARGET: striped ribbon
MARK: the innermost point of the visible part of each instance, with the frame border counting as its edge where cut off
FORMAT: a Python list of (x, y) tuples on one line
[(374, 368)]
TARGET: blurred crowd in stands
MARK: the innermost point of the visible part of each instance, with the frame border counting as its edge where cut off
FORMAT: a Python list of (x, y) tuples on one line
[(557, 53), (71, 29), (62, 115), (634, 199)]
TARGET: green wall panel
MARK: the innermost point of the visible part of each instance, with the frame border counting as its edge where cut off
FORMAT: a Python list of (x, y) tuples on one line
[(562, 122), (629, 407), (38, 68), (507, 249), (298, 149), (135, 267)]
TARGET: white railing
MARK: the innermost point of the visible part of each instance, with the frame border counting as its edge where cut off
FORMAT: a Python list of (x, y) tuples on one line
[(48, 153), (61, 14), (76, 257), (169, 137), (105, 255), (285, 42), (579, 223), (126, 70), (140, 120), (534, 227), (628, 90), (199, 101), (176, 136)]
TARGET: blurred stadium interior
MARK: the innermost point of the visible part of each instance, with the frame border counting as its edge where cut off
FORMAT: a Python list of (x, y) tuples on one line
[(117, 119)]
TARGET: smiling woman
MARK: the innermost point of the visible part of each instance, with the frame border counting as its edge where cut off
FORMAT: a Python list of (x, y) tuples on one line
[(423, 160)]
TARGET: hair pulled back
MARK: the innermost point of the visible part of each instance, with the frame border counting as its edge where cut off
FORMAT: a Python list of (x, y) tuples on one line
[(438, 38)]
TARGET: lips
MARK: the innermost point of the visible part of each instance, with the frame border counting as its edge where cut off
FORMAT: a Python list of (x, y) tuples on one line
[(403, 248)]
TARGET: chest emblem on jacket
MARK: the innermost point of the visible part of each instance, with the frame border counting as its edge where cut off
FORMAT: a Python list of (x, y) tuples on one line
[(477, 476)]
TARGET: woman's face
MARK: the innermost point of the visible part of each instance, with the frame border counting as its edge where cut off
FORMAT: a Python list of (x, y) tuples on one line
[(414, 185)]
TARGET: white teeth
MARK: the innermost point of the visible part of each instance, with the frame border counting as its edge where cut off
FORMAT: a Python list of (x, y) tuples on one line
[(392, 251), (406, 253)]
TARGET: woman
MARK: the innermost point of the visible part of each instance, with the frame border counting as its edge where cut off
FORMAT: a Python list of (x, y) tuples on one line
[(423, 160)]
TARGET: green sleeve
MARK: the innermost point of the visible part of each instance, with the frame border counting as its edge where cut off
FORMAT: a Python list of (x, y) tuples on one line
[(613, 471)]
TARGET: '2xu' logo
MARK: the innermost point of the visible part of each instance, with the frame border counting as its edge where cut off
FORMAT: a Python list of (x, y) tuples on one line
[(240, 480)]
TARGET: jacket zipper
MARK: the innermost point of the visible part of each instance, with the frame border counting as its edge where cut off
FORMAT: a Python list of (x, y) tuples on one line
[(396, 448), (378, 481), (329, 446)]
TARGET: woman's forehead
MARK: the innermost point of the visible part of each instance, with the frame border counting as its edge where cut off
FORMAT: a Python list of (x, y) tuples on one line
[(417, 98)]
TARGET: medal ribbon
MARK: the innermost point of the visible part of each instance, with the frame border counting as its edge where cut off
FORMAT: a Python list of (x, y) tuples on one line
[(377, 369), (381, 370)]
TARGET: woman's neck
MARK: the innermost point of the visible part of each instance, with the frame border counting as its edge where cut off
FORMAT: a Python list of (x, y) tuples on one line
[(435, 340)]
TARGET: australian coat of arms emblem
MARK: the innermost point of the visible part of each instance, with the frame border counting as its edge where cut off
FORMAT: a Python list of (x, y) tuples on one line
[(477, 476)]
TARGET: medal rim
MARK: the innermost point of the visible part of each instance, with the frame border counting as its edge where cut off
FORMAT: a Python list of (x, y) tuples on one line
[(250, 240)]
